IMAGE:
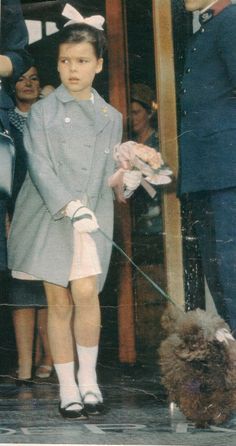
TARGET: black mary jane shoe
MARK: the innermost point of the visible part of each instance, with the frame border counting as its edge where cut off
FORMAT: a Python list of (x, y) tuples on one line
[(93, 408), (73, 413)]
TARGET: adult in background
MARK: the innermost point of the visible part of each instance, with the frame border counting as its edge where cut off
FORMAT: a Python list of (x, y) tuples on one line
[(27, 297), (208, 146), (14, 60), (147, 210)]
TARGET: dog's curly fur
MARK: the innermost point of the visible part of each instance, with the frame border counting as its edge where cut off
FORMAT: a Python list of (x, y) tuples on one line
[(198, 371)]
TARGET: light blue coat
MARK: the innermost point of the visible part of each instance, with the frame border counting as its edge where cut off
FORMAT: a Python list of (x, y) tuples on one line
[(69, 146)]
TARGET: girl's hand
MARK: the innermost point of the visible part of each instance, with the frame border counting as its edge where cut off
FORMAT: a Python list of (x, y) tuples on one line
[(132, 179), (82, 218)]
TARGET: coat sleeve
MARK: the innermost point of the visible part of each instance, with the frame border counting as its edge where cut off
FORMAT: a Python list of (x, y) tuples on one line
[(226, 39), (41, 165), (14, 38), (111, 165), (116, 139)]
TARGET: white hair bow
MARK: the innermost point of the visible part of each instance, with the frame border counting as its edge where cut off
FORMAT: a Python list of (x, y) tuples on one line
[(75, 17)]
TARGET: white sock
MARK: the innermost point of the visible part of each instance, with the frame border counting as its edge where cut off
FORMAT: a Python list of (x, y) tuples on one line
[(69, 391), (87, 376)]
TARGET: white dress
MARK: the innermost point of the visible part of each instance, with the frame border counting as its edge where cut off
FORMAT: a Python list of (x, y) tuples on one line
[(85, 261)]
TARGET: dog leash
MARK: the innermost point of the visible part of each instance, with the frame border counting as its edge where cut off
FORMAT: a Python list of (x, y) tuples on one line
[(154, 284)]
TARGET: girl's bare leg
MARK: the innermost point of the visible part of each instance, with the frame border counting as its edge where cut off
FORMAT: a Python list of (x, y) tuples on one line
[(59, 319), (87, 318), (87, 323), (61, 342), (45, 361)]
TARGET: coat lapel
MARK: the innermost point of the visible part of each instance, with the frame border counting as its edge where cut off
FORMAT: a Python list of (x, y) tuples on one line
[(102, 113)]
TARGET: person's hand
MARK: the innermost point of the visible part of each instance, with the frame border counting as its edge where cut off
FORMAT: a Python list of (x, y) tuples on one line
[(82, 218), (132, 179), (6, 68)]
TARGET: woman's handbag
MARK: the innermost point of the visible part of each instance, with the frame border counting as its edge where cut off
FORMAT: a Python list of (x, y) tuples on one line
[(7, 163)]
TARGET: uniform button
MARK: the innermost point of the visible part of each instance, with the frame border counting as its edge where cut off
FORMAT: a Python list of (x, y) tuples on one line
[(188, 70), (194, 49), (106, 151), (184, 90), (67, 120), (202, 30), (184, 113)]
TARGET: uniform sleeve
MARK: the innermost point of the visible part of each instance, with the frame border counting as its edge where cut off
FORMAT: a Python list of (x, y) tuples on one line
[(41, 165), (226, 39), (15, 37)]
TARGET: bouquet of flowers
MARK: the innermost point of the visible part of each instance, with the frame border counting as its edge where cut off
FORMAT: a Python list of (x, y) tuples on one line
[(146, 161)]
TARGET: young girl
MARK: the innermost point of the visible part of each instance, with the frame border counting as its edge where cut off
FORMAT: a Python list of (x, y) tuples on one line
[(64, 201)]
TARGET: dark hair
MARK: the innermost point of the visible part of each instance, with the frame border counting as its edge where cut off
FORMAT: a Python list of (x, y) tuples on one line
[(153, 119), (143, 104), (81, 32), (32, 66)]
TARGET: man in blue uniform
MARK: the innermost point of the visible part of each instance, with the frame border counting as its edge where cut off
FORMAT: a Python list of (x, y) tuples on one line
[(14, 60), (208, 146)]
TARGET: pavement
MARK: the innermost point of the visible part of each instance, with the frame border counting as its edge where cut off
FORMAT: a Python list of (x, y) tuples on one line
[(137, 412)]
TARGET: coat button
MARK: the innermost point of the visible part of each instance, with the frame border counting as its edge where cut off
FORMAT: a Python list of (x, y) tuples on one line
[(202, 30), (106, 151), (184, 113), (187, 70), (194, 49), (67, 120)]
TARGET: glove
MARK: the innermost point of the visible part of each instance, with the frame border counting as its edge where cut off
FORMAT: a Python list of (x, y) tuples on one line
[(82, 218), (132, 179)]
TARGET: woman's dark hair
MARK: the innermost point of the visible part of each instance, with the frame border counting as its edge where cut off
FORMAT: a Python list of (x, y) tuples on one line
[(81, 32), (143, 104), (153, 120)]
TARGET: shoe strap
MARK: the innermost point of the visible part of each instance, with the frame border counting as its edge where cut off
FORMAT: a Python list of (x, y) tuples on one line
[(90, 392), (72, 404)]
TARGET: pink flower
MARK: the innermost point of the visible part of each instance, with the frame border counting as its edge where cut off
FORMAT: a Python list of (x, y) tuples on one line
[(129, 152), (133, 156), (148, 155)]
